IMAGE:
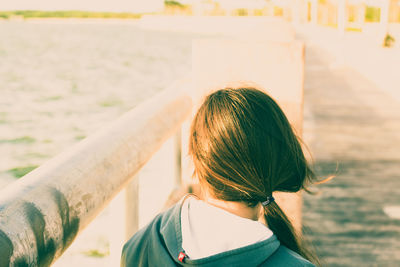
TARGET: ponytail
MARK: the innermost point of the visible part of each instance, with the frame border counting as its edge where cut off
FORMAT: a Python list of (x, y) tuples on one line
[(281, 226)]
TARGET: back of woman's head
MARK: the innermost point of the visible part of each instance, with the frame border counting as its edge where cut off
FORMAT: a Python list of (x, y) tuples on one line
[(243, 149)]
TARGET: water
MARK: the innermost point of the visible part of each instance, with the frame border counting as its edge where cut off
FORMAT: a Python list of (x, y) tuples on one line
[(60, 82)]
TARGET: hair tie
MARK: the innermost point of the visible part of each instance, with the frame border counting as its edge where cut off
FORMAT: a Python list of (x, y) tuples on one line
[(268, 201)]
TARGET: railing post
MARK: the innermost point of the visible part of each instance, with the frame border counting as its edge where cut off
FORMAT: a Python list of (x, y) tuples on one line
[(178, 158), (132, 207)]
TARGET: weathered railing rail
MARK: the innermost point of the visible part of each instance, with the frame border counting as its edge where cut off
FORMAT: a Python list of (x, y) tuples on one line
[(41, 214)]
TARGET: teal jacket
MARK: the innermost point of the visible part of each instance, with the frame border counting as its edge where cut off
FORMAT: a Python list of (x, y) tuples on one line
[(160, 244)]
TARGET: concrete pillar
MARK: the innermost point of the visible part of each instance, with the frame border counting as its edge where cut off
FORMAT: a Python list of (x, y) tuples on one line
[(132, 208), (278, 67)]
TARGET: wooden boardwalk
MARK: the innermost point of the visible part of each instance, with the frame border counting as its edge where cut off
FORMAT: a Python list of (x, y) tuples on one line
[(352, 125)]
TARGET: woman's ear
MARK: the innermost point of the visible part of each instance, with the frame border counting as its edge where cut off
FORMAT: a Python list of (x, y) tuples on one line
[(261, 216)]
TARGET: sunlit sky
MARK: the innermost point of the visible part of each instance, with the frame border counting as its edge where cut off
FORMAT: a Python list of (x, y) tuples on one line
[(91, 5)]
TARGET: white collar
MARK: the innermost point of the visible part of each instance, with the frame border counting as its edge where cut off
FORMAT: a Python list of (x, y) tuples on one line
[(208, 230)]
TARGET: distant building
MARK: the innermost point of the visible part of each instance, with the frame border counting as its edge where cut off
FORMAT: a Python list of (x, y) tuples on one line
[(132, 6)]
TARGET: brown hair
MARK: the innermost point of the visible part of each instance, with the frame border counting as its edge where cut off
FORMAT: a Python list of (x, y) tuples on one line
[(243, 148)]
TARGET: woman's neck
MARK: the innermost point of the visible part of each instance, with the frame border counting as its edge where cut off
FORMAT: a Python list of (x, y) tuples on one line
[(238, 208)]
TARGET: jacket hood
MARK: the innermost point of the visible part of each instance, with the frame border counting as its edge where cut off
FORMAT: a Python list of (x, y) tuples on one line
[(252, 255), (160, 244)]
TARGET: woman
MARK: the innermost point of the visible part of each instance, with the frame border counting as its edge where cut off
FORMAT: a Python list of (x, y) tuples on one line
[(243, 149)]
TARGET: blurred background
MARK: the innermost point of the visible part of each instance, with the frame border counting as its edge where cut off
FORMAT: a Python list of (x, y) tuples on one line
[(67, 68)]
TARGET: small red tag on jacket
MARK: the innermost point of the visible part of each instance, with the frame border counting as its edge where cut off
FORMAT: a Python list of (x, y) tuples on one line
[(181, 256)]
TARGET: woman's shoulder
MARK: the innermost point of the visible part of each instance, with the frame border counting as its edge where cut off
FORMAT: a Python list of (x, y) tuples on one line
[(152, 235), (286, 257), (155, 225)]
